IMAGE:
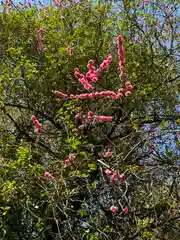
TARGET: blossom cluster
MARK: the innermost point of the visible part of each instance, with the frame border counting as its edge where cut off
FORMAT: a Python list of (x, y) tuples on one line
[(82, 79), (102, 94), (121, 54), (107, 154), (114, 175), (69, 160), (87, 80), (120, 177), (91, 117), (92, 74), (114, 210), (36, 123), (48, 176)]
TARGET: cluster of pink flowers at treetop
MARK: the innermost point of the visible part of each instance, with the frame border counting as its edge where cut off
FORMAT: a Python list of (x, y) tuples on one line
[(91, 117), (114, 210), (114, 175), (121, 54), (103, 94), (39, 39), (92, 74), (36, 123), (82, 79)]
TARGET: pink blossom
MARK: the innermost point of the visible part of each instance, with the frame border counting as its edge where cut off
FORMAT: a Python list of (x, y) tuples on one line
[(113, 177), (69, 160), (78, 74), (125, 210), (121, 90), (114, 209), (78, 116), (82, 96), (118, 96), (121, 53), (108, 172), (33, 118), (91, 74), (90, 113), (90, 65), (90, 116), (36, 123), (94, 79), (117, 175), (72, 96), (60, 94), (48, 176), (107, 154), (38, 129), (128, 85), (109, 93), (121, 177), (82, 79), (104, 118), (128, 93), (105, 64), (91, 95), (97, 95), (85, 84)]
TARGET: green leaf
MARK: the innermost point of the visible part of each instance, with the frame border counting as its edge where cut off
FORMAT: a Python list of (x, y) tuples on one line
[(92, 167)]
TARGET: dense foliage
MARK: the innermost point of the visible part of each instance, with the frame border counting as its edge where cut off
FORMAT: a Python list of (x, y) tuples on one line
[(114, 179)]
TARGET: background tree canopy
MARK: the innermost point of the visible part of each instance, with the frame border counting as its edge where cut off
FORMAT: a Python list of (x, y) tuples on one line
[(60, 183)]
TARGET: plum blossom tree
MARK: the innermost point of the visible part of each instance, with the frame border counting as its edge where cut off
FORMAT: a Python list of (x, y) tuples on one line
[(89, 124)]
